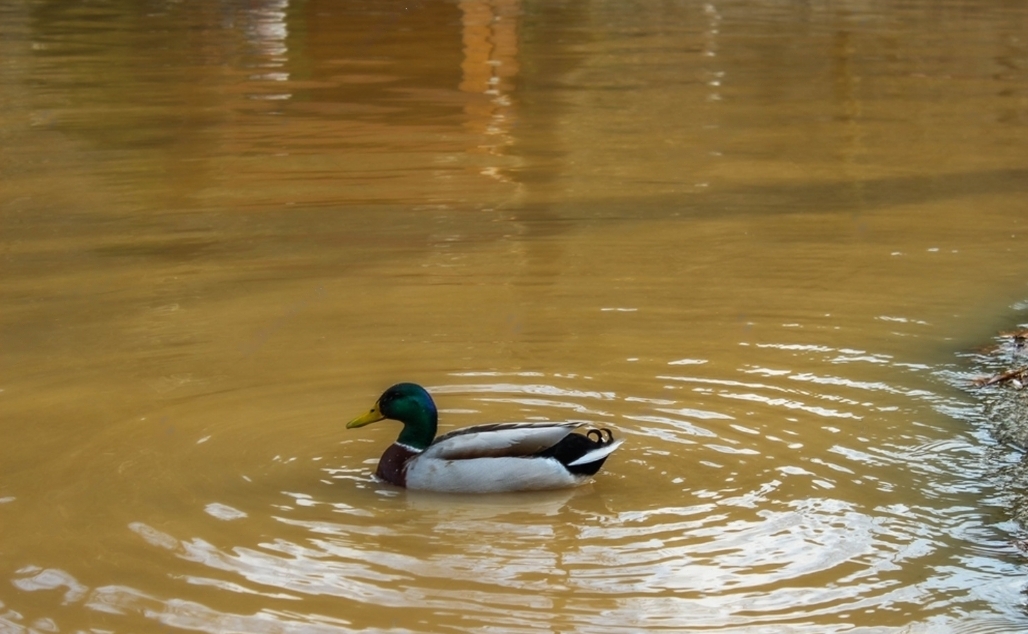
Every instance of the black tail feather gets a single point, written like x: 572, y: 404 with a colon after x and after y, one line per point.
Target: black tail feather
x: 574, y: 446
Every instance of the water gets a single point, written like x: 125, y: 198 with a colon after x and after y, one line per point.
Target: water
x: 750, y: 237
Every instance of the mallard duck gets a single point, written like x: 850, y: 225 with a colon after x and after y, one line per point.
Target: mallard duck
x: 483, y: 458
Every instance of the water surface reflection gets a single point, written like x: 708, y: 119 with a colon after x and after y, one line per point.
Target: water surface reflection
x: 749, y: 237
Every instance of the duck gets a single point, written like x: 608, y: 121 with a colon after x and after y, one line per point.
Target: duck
x: 490, y: 458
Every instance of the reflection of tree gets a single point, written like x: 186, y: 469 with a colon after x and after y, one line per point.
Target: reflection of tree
x: 489, y: 67
x: 271, y: 102
x: 266, y: 30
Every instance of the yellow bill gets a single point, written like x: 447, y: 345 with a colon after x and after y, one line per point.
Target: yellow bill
x: 373, y: 416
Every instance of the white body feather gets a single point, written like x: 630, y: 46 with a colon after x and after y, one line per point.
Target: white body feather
x: 498, y: 458
x: 488, y: 475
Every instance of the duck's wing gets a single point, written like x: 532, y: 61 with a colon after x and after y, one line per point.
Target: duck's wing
x: 496, y: 441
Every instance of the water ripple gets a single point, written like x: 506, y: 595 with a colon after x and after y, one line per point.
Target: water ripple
x: 721, y: 511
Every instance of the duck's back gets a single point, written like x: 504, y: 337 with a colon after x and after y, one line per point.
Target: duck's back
x: 498, y: 441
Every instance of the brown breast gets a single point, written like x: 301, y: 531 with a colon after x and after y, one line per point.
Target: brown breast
x: 393, y: 466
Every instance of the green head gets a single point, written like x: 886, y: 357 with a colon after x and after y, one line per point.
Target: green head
x: 410, y: 404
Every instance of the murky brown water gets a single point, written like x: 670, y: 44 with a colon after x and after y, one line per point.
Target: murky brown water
x: 751, y: 236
